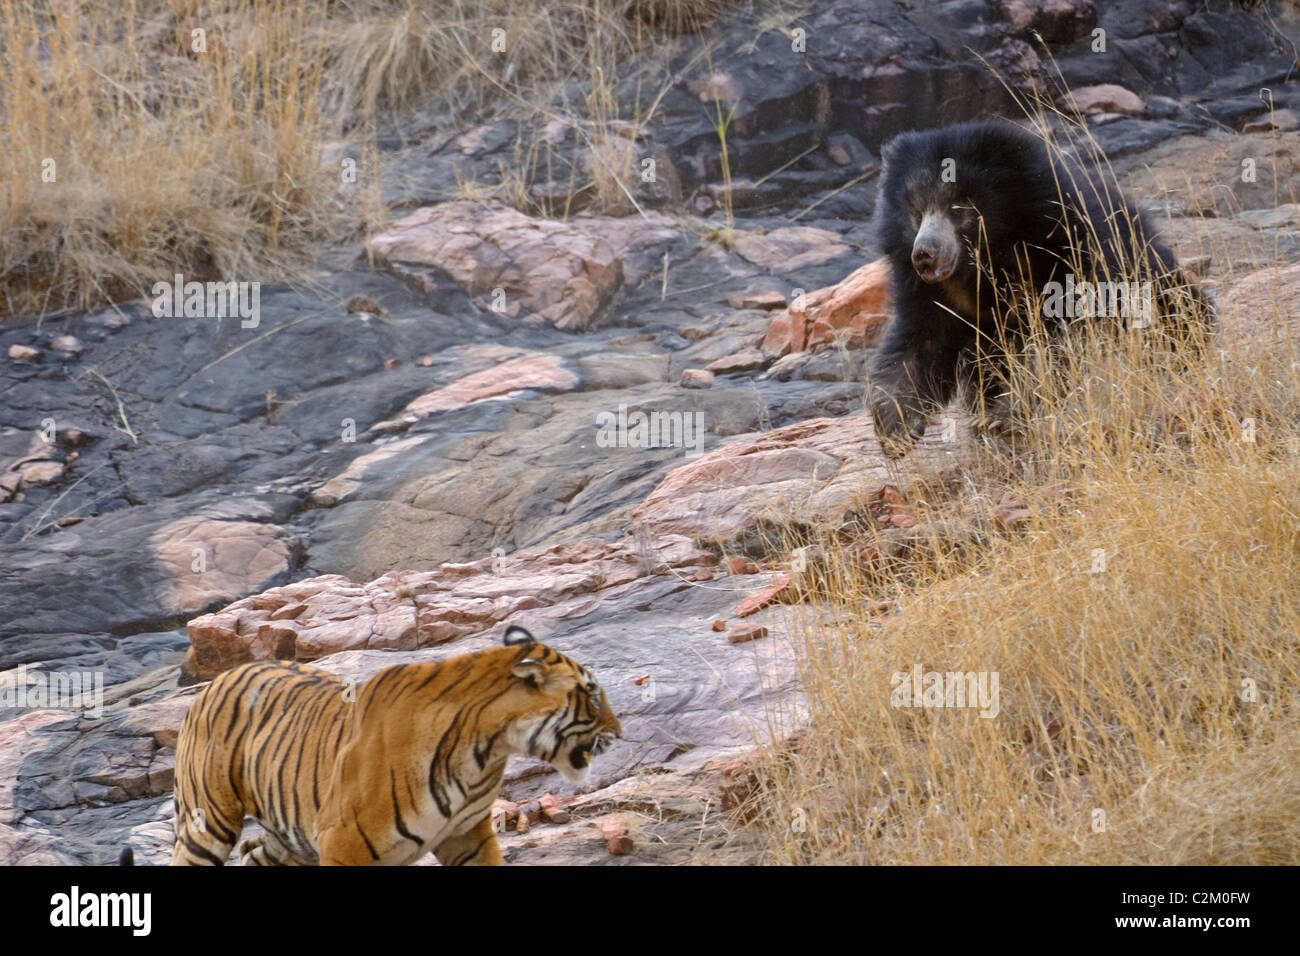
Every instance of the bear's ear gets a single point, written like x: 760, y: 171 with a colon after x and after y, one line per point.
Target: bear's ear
x: 518, y: 635
x: 889, y: 151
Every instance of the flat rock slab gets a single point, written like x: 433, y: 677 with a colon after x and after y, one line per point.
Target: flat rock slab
x: 810, y: 471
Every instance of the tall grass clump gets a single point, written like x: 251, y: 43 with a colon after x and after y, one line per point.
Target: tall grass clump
x: 136, y: 147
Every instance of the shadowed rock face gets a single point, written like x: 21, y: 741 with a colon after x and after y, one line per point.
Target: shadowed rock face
x: 362, y: 488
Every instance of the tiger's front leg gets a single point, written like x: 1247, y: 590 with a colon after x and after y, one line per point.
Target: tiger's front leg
x: 346, y: 844
x: 475, y: 847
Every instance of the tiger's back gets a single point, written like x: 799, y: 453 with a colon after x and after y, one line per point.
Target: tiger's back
x: 407, y: 763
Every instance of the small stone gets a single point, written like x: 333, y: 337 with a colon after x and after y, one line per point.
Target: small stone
x: 762, y: 597
x: 703, y: 574
x: 66, y: 343
x: 756, y: 300
x: 363, y: 304
x: 391, y: 363
x: 744, y: 633
x: 1273, y: 121
x: 24, y: 353
x: 719, y: 625
x: 426, y: 360
x: 839, y: 155
x: 552, y: 812
x: 739, y: 565
x: 67, y: 521
x: 697, y: 378
x: 617, y: 840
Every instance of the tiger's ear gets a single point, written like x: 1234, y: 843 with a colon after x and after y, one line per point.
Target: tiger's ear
x: 518, y: 635
x: 530, y: 670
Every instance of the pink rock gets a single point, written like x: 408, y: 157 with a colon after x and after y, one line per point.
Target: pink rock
x: 551, y: 810
x: 40, y: 473
x: 210, y: 560
x: 617, y: 839
x: 852, y: 312
x: 762, y: 597
x: 1261, y: 305
x: 814, y: 470
x: 746, y: 360
x: 697, y: 378
x: 24, y: 353
x: 789, y: 248
x: 744, y: 633
x: 545, y: 271
x: 786, y: 333
x: 741, y: 565
x: 1103, y: 98
x: 344, y: 484
x: 535, y: 370
x: 406, y: 610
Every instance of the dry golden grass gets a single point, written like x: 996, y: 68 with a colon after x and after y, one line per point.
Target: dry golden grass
x: 130, y: 156
x: 186, y: 135
x: 1144, y: 625
x: 1125, y: 680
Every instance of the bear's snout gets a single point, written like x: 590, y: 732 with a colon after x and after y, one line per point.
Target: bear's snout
x: 935, y: 248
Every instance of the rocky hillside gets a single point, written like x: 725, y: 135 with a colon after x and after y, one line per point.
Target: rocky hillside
x: 435, y: 433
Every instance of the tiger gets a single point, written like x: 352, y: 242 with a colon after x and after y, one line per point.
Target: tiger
x: 382, y: 773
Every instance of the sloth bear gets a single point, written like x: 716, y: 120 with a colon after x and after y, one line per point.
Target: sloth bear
x: 987, y: 232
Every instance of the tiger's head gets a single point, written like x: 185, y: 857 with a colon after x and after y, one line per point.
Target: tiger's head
x: 565, y: 716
